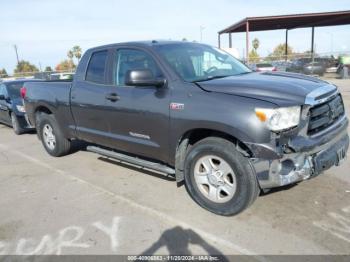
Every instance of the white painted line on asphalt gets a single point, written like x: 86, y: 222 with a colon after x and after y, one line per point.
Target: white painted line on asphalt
x: 130, y: 202
x: 339, y: 226
x: 68, y: 237
x: 346, y: 209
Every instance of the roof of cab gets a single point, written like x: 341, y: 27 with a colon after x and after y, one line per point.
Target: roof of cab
x: 148, y: 43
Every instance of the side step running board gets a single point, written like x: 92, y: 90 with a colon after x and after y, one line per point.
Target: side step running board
x: 132, y: 160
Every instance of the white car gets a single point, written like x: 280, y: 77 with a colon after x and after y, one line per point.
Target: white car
x: 263, y: 67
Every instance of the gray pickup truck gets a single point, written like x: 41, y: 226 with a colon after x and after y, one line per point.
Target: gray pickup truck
x: 193, y: 111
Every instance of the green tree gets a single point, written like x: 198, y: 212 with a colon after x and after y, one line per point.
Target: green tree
x: 279, y: 52
x: 253, y: 56
x: 256, y: 44
x: 48, y: 69
x: 76, y: 50
x: 3, y: 73
x: 70, y: 62
x: 24, y: 67
x: 70, y: 54
x: 307, y: 53
x: 65, y: 65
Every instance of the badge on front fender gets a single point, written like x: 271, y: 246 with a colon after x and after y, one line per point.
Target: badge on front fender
x: 177, y: 106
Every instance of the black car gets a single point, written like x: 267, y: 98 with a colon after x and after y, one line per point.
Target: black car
x: 315, y: 68
x: 11, y: 106
x: 307, y: 67
x: 297, y: 65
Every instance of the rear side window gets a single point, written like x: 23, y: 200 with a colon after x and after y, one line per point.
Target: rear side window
x: 97, y: 67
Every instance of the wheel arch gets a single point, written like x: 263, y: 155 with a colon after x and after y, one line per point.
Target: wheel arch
x: 62, y: 117
x: 43, y: 109
x: 192, y: 136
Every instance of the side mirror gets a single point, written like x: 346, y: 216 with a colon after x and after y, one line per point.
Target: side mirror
x: 2, y: 97
x: 143, y: 77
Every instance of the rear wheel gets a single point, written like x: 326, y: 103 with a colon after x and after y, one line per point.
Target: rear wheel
x: 219, y: 178
x: 51, y: 136
x: 16, y: 125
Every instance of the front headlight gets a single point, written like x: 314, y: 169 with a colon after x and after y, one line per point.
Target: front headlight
x: 20, y: 108
x: 279, y: 118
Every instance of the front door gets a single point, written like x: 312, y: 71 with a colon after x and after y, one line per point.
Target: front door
x: 139, y: 119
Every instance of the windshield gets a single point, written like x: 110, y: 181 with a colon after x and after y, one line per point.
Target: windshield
x: 14, y: 89
x: 196, y: 62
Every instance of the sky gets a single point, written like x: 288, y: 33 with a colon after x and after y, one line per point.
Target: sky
x: 44, y: 30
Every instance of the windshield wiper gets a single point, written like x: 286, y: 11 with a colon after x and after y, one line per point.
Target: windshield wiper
x: 244, y: 73
x: 210, y: 78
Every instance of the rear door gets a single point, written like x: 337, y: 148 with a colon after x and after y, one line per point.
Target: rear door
x: 88, y: 100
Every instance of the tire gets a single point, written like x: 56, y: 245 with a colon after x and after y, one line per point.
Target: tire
x: 240, y: 176
x: 51, y: 136
x: 16, y: 125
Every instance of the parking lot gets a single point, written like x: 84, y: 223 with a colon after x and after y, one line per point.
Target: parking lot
x: 87, y: 204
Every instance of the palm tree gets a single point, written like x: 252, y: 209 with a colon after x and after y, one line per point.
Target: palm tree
x: 77, y: 52
x: 70, y: 55
x: 256, y: 43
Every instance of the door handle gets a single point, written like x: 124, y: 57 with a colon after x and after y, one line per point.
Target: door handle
x: 112, y: 97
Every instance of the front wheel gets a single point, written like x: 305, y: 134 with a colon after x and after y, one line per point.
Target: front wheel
x: 219, y: 178
x: 51, y: 137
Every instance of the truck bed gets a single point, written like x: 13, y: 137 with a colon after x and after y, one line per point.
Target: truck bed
x: 54, y: 95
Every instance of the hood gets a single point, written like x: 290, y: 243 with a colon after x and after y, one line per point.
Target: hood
x: 280, y: 88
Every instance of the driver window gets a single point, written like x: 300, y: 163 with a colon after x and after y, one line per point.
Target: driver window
x: 132, y: 59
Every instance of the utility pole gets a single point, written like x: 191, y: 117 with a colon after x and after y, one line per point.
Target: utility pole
x: 312, y: 49
x: 15, y: 47
x: 201, y: 28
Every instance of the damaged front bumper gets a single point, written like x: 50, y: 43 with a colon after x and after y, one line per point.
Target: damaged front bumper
x: 308, y: 156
